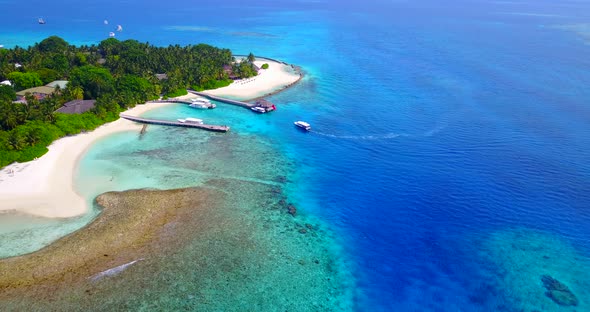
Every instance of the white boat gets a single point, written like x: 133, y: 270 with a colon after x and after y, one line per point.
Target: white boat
x: 194, y: 120
x: 106, y: 22
x: 199, y: 105
x: 119, y: 28
x: 303, y: 125
x: 259, y: 110
x: 41, y: 21
x: 111, y: 34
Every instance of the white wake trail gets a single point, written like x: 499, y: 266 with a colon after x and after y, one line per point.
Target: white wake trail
x: 113, y: 271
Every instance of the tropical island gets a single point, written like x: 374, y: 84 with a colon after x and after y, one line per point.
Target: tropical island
x: 116, y: 75
x: 53, y: 90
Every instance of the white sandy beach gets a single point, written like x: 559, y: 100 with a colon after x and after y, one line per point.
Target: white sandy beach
x: 276, y: 77
x: 44, y: 187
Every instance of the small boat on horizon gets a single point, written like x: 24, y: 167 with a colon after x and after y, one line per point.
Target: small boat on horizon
x: 111, y: 34
x: 303, y: 125
x: 41, y: 21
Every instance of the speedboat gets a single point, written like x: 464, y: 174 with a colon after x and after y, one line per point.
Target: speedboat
x: 201, y: 103
x: 303, y: 125
x: 119, y: 28
x: 41, y: 21
x: 111, y: 34
x: 258, y: 109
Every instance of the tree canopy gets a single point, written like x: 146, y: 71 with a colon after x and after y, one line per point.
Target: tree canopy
x: 53, y: 44
x: 93, y: 80
x: 7, y: 93
x: 23, y: 81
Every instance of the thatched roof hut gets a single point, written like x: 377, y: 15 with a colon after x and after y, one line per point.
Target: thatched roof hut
x: 76, y: 107
x: 265, y: 104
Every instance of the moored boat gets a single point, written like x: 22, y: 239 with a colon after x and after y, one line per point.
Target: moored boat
x: 41, y: 21
x: 303, y: 125
x: 201, y: 104
x: 259, y: 110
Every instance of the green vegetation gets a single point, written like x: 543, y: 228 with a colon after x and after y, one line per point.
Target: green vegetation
x: 93, y: 80
x: 244, y: 69
x: 23, y: 81
x: 264, y: 66
x: 7, y: 93
x: 117, y: 74
x: 213, y: 84
x: 179, y: 92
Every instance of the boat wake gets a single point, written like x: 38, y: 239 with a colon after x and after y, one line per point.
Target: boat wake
x: 388, y: 136
x: 441, y: 125
x: 113, y: 271
x: 362, y: 137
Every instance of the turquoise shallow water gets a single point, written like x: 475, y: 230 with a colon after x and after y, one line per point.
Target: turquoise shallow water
x: 441, y: 132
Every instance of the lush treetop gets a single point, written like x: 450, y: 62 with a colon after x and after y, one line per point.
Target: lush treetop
x: 53, y: 44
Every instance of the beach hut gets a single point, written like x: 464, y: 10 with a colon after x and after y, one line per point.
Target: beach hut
x: 77, y: 107
x: 268, y: 106
x: 228, y: 70
x: 162, y: 76
x: 38, y: 92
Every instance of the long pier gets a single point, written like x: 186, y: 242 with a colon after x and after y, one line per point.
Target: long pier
x: 213, y: 128
x: 224, y: 100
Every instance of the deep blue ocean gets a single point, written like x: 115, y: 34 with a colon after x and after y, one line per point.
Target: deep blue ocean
x: 450, y: 144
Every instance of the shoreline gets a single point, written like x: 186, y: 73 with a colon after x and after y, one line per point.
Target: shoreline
x: 43, y: 186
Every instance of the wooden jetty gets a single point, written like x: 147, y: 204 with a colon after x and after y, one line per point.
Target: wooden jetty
x: 224, y: 100
x: 213, y: 128
x: 209, y: 106
x: 262, y: 103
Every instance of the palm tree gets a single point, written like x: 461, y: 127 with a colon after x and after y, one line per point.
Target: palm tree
x: 15, y: 141
x: 251, y: 58
x: 33, y: 136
